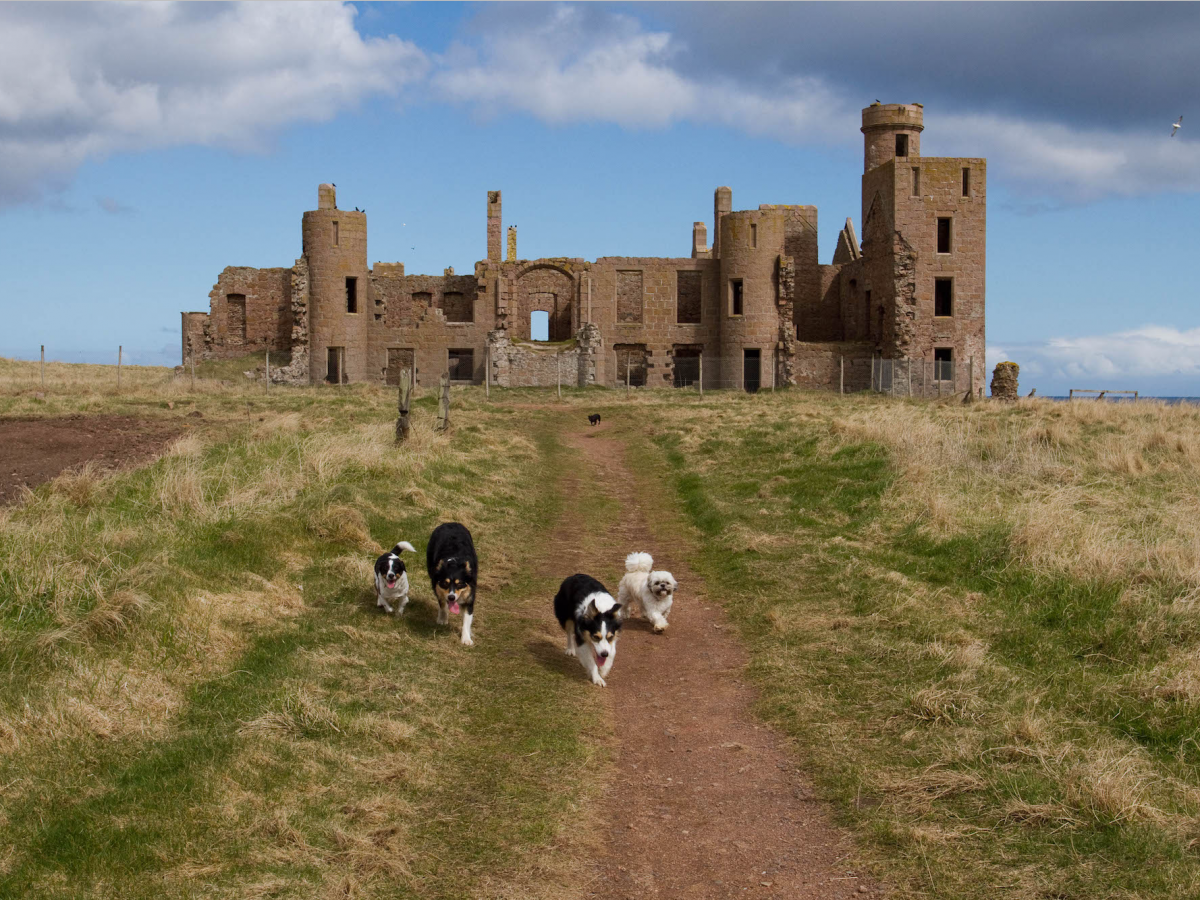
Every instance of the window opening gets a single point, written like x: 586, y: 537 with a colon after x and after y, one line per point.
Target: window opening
x: 335, y: 233
x: 456, y: 307
x: 235, y: 317
x: 629, y: 297
x: 736, y: 297
x: 867, y: 315
x: 902, y: 145
x: 631, y: 361
x: 687, y: 364
x: 943, y: 364
x: 943, y: 235
x: 539, y: 325
x: 916, y: 185
x: 461, y: 364
x: 351, y: 295
x: 753, y: 235
x: 966, y: 182
x: 687, y: 297
x: 943, y: 297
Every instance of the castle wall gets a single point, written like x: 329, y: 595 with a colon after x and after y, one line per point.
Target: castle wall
x: 822, y: 365
x: 250, y: 310
x: 194, y: 326
x: 335, y: 246
x: 617, y: 285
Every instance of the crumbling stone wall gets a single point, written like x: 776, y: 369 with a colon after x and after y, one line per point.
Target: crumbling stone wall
x: 297, y: 370
x: 529, y: 364
x: 259, y: 318
x: 1004, y: 381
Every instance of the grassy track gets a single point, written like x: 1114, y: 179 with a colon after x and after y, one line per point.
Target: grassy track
x: 979, y: 625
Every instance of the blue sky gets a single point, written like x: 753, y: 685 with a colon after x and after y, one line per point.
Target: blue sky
x: 144, y: 147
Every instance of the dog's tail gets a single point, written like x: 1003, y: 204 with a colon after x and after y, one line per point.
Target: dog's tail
x: 404, y: 545
x: 639, y: 562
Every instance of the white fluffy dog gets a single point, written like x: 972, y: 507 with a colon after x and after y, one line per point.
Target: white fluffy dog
x: 643, y: 588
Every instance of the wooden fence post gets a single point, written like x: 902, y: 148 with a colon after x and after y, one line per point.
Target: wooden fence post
x: 700, y: 381
x: 842, y: 374
x: 120, y: 350
x: 267, y: 386
x: 43, y: 365
x: 444, y: 402
x: 558, y: 372
x: 487, y: 373
x: 402, y: 425
x: 627, y: 384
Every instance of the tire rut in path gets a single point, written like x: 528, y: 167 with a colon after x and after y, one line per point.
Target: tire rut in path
x: 705, y: 803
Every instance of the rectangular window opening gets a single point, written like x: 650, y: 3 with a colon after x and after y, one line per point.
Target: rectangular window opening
x: 335, y: 233
x: 943, y: 297
x: 867, y: 315
x: 902, y: 145
x: 457, y: 307
x: 943, y: 235
x: 687, y: 297
x: 351, y: 295
x: 629, y: 297
x: 461, y: 364
x: 631, y: 364
x: 753, y: 236
x: 235, y: 317
x: 735, y: 290
x: 916, y: 184
x: 686, y: 358
x: 966, y: 183
x: 943, y: 364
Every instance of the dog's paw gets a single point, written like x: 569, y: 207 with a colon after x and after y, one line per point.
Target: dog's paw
x: 659, y: 628
x: 467, y: 642
x: 570, y: 651
x: 598, y: 681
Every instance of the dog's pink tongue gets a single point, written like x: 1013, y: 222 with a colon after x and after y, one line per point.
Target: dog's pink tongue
x: 454, y: 608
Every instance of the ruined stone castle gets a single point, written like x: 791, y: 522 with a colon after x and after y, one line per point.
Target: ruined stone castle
x: 754, y: 309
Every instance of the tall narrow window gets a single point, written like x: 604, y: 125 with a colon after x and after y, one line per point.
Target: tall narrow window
x: 966, y: 182
x: 235, y: 318
x: 916, y: 185
x: 943, y: 235
x: 335, y: 233
x: 351, y: 295
x: 943, y: 297
x: 902, y: 145
x: 867, y: 315
x: 735, y: 290
x: 753, y: 236
x: 687, y: 297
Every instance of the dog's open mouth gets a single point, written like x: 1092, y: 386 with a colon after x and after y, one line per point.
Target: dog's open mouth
x: 391, y: 582
x: 454, y: 608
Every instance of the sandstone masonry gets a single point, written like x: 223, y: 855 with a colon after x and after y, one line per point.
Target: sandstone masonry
x: 757, y: 305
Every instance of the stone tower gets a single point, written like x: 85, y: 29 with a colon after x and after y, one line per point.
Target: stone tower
x: 335, y: 246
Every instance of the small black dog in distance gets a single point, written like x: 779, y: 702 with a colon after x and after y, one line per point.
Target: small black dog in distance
x: 588, y: 614
x: 453, y: 571
x: 594, y: 419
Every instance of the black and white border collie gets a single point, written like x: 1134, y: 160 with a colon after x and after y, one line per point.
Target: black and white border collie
x: 594, y: 419
x: 652, y: 591
x: 391, y: 578
x: 453, y: 571
x: 588, y: 614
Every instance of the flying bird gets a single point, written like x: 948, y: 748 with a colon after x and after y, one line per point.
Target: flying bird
x: 1176, y: 126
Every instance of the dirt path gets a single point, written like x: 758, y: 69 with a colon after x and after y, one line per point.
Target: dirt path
x: 706, y: 803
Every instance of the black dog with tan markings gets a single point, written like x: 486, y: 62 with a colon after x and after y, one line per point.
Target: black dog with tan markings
x: 453, y: 571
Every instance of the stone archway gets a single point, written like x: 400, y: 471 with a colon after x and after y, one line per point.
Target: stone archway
x: 545, y: 289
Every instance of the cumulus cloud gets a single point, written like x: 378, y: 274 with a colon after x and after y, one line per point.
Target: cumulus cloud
x: 84, y: 81
x: 566, y: 64
x: 1151, y: 353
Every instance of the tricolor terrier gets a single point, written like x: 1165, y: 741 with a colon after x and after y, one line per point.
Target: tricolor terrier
x: 453, y: 571
x: 653, y: 591
x: 391, y: 579
x: 588, y: 614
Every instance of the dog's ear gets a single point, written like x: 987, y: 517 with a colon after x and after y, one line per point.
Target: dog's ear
x: 615, y: 607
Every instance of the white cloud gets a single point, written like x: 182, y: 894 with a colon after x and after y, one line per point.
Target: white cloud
x: 1116, y: 361
x: 84, y: 81
x: 576, y: 65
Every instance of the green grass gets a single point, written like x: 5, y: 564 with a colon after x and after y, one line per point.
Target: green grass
x: 253, y: 725
x: 987, y: 727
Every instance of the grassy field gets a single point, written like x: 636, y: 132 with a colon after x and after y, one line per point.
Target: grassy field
x: 978, y: 625
x: 198, y: 696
